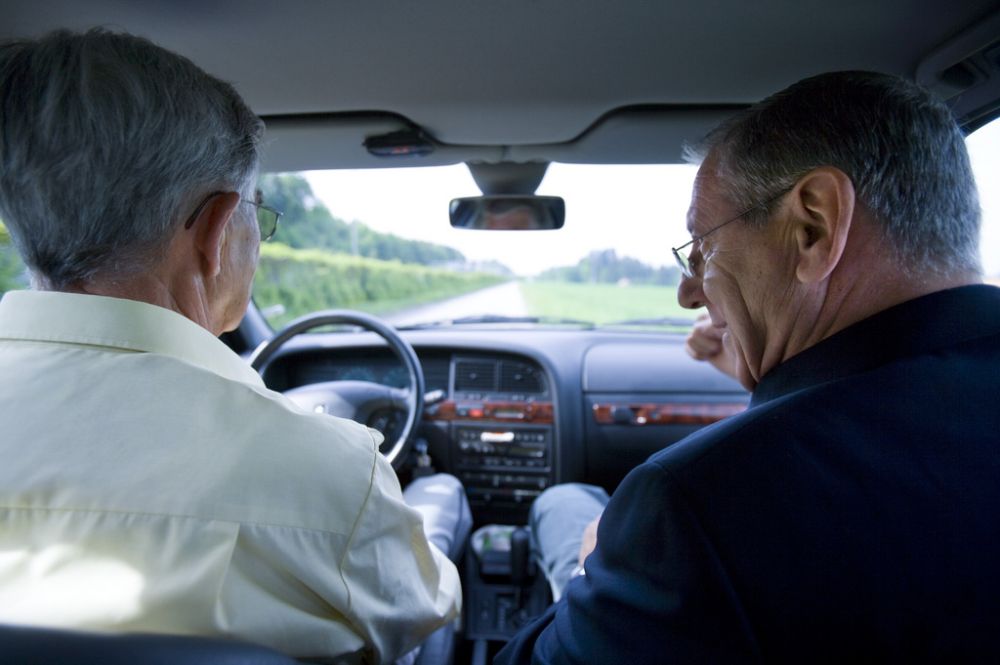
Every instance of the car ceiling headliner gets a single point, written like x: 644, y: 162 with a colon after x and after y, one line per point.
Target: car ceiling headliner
x: 492, y: 77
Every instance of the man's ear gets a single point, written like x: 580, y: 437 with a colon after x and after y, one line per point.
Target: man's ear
x: 824, y: 202
x: 210, y: 229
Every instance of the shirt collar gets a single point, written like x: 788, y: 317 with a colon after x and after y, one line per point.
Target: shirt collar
x: 127, y: 325
x: 921, y: 325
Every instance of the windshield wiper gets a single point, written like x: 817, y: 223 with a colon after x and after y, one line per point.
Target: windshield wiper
x: 496, y: 318
x: 665, y: 321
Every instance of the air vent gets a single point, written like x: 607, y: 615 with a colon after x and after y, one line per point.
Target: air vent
x: 518, y: 377
x: 473, y: 375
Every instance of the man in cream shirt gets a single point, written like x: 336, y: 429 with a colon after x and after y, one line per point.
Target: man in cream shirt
x: 150, y: 481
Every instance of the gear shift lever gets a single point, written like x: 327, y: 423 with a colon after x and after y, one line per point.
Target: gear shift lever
x: 520, y: 550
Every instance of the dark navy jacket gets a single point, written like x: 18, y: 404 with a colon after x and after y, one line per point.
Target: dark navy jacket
x: 851, y: 514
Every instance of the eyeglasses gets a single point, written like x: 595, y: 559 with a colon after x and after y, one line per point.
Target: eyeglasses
x: 682, y: 257
x: 267, y: 217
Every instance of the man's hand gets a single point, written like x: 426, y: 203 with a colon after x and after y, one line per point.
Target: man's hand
x: 704, y: 342
x: 589, y: 541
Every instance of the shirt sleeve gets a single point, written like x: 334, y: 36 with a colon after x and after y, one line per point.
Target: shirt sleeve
x: 401, y: 588
x: 654, y: 591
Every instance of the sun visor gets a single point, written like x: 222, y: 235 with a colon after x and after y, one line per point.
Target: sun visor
x: 358, y: 140
x: 303, y: 143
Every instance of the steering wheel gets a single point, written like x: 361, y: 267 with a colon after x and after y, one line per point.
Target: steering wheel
x: 362, y: 401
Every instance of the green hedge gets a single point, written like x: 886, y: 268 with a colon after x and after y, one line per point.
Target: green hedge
x: 307, y: 280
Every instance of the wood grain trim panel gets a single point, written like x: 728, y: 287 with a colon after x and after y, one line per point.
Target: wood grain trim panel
x: 683, y: 413
x: 535, y: 413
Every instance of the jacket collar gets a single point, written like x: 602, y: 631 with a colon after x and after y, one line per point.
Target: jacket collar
x: 915, y: 327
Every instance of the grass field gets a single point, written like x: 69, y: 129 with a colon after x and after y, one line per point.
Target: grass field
x: 602, y: 303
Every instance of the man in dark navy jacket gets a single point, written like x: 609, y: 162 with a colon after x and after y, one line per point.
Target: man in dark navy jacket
x: 852, y: 513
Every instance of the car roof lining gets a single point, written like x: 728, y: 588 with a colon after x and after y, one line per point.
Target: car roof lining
x: 522, y: 81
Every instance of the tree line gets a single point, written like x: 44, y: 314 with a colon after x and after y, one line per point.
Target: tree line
x: 606, y: 267
x: 308, y: 224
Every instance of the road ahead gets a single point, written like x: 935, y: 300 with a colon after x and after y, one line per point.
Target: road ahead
x: 503, y: 300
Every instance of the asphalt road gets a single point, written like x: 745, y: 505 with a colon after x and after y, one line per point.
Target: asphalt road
x: 503, y: 300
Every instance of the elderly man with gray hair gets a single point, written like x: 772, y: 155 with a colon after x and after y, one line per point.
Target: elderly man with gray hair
x: 150, y: 482
x: 850, y: 514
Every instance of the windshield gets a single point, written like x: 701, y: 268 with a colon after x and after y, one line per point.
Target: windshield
x: 379, y: 240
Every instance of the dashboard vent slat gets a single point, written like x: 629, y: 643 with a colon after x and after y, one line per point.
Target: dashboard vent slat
x: 475, y: 375
x: 518, y: 377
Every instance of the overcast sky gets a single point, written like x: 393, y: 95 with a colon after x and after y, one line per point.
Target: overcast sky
x: 606, y: 207
x: 637, y: 210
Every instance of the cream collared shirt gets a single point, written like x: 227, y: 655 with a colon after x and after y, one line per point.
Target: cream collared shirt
x: 150, y: 482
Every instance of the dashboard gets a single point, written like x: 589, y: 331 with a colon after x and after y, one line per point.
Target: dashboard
x: 513, y: 411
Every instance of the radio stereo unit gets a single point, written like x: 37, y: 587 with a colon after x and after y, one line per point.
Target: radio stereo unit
x: 503, y: 464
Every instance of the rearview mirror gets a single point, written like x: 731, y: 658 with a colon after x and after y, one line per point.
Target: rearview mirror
x: 504, y: 212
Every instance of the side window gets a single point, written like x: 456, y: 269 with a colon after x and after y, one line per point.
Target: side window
x: 984, y: 151
x: 12, y: 273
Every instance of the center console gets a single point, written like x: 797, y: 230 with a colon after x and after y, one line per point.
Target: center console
x: 501, y: 434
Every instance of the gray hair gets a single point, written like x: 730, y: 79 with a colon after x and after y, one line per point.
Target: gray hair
x: 899, y: 145
x: 106, y: 143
